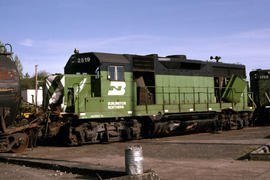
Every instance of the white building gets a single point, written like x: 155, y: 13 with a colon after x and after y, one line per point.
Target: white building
x: 29, y: 96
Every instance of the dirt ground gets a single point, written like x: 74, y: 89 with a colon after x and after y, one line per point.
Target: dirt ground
x: 194, y: 156
x: 11, y: 171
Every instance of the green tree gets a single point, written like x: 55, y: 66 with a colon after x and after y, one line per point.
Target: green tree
x: 18, y: 65
x: 26, y: 75
x: 42, y: 75
x: 1, y: 49
x: 28, y: 82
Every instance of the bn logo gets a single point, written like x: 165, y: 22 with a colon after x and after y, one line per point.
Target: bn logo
x: 118, y: 88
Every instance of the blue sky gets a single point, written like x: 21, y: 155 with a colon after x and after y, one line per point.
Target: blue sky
x: 46, y: 32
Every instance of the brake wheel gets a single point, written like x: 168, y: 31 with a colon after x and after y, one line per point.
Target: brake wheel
x: 22, y: 143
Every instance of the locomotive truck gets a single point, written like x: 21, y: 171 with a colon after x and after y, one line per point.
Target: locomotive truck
x: 103, y: 97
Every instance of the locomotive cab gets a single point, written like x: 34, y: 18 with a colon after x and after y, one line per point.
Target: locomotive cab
x: 92, y: 82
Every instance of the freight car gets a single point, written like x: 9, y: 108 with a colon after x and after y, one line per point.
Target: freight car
x: 14, y: 136
x: 106, y: 97
x: 260, y: 86
x: 10, y: 87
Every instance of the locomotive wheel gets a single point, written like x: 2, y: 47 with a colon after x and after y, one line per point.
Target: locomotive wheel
x: 21, y: 145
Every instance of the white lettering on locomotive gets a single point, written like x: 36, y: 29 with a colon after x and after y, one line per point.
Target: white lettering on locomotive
x: 116, y: 105
x: 118, y: 88
x: 81, y: 60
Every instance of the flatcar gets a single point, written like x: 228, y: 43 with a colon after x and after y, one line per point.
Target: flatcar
x: 105, y: 97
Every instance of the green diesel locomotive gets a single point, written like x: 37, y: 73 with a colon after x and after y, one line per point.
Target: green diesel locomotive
x: 106, y: 97
x: 260, y: 86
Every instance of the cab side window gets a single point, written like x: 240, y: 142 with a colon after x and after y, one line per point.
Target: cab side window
x: 116, y: 73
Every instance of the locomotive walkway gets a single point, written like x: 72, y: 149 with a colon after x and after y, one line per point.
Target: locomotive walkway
x: 194, y: 156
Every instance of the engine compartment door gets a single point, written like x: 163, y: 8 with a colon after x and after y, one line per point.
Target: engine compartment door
x: 234, y: 90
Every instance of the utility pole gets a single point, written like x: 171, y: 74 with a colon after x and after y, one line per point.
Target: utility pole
x: 36, y: 86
